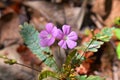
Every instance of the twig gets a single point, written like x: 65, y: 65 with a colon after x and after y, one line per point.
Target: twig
x: 100, y: 19
x: 115, y: 74
x: 81, y: 15
x: 114, y: 67
x: 41, y: 11
x: 64, y: 14
x: 98, y: 24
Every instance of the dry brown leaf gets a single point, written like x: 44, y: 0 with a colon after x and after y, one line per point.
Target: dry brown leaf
x: 9, y: 29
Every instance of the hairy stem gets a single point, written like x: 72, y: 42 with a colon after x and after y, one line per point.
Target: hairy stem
x: 9, y: 62
x: 28, y: 67
x: 86, y: 49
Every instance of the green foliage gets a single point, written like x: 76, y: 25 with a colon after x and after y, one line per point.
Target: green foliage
x: 118, y: 51
x: 105, y: 35
x: 89, y: 78
x: 92, y: 47
x: 67, y: 66
x: 87, y: 31
x: 30, y: 36
x: 7, y: 60
x: 98, y: 39
x: 117, y: 21
x: 70, y: 57
x: 117, y: 32
x: 47, y: 73
x: 81, y: 77
x: 94, y: 78
x: 10, y: 61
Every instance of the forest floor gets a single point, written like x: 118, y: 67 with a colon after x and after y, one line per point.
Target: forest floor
x: 79, y: 14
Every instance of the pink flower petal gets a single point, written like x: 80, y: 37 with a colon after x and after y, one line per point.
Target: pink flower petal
x: 49, y: 27
x: 43, y: 42
x: 71, y: 44
x: 43, y: 34
x: 66, y: 29
x: 59, y: 34
x: 62, y: 43
x: 51, y: 41
x: 55, y: 32
x: 73, y: 36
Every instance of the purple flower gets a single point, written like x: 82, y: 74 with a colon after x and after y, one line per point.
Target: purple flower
x: 67, y: 37
x: 47, y: 37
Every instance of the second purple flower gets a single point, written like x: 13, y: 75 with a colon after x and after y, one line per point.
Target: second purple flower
x: 67, y: 37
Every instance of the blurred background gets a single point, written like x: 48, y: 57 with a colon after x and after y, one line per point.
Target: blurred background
x: 79, y: 14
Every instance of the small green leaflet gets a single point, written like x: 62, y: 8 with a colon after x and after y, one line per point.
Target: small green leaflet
x: 48, y: 73
x: 117, y: 21
x: 92, y: 47
x: 105, y: 35
x: 68, y: 62
x: 94, y: 78
x: 30, y: 37
x: 70, y: 57
x: 118, y: 51
x: 117, y: 32
x: 81, y: 77
x: 91, y: 77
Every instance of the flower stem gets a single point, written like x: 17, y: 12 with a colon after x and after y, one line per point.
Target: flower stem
x: 86, y: 48
x: 28, y: 67
x: 12, y: 61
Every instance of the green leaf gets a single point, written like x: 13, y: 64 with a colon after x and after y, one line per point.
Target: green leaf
x: 94, y: 78
x: 91, y: 77
x: 117, y: 32
x: 67, y: 65
x: 47, y: 73
x: 30, y: 37
x: 105, y: 35
x: 93, y: 47
x: 118, y: 51
x: 117, y: 21
x: 70, y: 57
x: 81, y: 77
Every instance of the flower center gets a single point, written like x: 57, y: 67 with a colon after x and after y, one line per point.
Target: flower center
x: 65, y: 37
x: 49, y: 36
